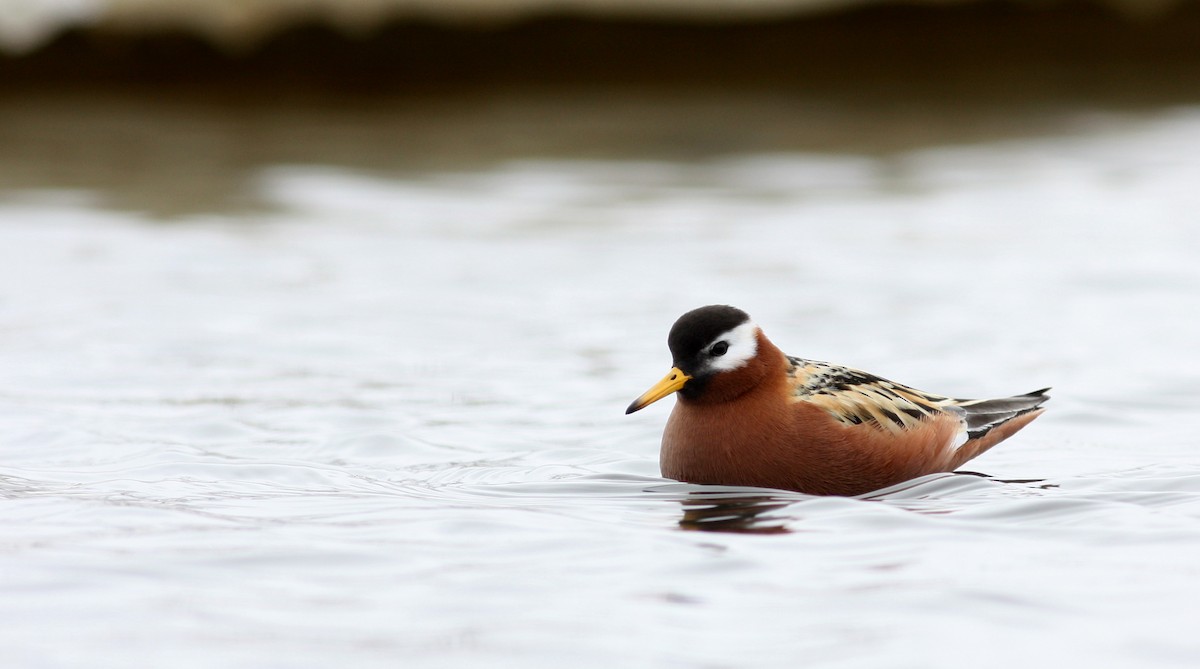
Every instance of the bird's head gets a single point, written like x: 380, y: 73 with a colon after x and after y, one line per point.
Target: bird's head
x: 705, y: 343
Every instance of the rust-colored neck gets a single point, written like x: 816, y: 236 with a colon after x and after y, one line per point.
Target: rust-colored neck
x: 768, y: 362
x: 722, y: 435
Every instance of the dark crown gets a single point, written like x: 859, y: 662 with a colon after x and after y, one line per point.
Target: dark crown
x: 698, y: 327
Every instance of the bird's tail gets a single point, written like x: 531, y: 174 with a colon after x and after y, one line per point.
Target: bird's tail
x: 990, y: 422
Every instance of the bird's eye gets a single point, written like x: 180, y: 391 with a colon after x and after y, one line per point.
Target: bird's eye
x: 718, y: 349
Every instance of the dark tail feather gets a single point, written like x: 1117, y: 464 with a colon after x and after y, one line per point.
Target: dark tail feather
x: 984, y: 415
x: 990, y: 422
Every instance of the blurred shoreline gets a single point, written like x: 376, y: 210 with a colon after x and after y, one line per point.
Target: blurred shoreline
x: 190, y: 124
x: 26, y: 26
x: 1079, y: 49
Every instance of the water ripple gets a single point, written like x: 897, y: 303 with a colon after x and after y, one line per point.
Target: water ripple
x: 383, y: 422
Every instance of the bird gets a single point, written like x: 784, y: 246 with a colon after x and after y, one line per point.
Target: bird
x: 748, y: 415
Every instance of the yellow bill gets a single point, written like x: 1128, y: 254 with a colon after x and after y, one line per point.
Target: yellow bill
x: 673, y: 381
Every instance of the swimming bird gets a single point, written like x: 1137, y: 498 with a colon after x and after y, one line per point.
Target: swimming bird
x: 749, y: 415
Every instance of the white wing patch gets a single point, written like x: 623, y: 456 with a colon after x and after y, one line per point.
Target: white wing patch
x: 962, y: 436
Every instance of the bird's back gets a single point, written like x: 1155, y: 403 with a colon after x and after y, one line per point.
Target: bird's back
x: 869, y: 402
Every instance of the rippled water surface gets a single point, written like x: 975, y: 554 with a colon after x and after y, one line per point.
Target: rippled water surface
x: 378, y: 421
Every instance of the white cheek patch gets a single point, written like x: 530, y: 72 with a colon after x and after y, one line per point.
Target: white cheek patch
x: 743, y: 345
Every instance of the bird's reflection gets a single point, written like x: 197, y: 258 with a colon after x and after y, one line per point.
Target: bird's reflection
x: 757, y: 510
x: 750, y: 514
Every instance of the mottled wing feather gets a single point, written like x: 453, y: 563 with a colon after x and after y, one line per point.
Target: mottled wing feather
x: 858, y: 398
x: 855, y: 397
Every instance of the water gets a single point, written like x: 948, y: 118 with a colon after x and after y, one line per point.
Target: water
x: 376, y: 419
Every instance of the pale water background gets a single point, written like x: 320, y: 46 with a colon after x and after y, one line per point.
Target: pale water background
x: 372, y: 416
